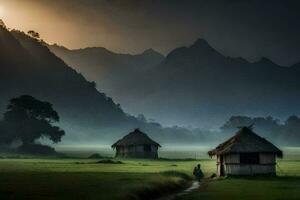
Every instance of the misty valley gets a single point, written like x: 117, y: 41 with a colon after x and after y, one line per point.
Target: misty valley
x: 84, y: 115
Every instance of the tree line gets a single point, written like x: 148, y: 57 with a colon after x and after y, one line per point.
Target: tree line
x: 285, y: 132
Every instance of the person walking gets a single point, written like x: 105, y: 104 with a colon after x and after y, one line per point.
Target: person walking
x: 198, y: 173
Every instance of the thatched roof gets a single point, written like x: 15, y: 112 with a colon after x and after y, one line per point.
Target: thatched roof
x: 135, y: 138
x: 246, y: 141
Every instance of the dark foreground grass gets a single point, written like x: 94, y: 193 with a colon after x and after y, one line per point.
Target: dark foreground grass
x: 276, y: 188
x: 59, y: 185
x: 160, y: 189
x: 286, y: 186
x: 52, y: 178
x: 90, y: 179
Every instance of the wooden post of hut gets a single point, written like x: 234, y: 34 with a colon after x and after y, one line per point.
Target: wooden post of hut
x: 246, y: 153
x: 136, y: 145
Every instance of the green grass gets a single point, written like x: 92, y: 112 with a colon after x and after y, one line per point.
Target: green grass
x: 285, y: 186
x: 277, y: 188
x: 86, y: 179
x: 77, y: 185
x: 79, y: 178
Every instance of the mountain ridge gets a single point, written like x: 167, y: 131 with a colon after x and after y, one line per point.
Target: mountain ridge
x: 196, y: 84
x: 86, y: 114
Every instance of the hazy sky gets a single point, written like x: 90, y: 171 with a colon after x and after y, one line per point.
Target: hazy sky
x: 250, y: 29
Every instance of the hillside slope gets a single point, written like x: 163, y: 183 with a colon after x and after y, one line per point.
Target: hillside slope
x: 111, y: 71
x: 199, y: 86
x: 30, y: 68
x: 87, y: 115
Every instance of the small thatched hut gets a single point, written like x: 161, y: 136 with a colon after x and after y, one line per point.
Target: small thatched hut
x: 246, y: 153
x: 136, y: 145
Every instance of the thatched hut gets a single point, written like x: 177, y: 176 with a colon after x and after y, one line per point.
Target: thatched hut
x: 136, y: 145
x: 246, y: 153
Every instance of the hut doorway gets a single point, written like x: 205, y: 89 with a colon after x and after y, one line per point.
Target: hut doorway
x: 222, y: 170
x: 249, y: 158
x: 147, y: 148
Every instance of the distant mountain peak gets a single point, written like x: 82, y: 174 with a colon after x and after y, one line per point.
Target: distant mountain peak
x: 201, y: 44
x: 296, y: 65
x: 55, y: 45
x: 151, y: 52
x: 200, y: 49
x: 101, y: 49
x: 265, y: 60
x: 242, y: 60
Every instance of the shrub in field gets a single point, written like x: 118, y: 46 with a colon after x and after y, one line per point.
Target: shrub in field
x: 110, y: 162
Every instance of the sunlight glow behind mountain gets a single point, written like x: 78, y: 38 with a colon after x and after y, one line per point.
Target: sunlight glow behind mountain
x: 247, y: 30
x: 2, y: 11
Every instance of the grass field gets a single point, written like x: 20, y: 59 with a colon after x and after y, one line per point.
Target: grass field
x: 52, y: 178
x: 85, y: 179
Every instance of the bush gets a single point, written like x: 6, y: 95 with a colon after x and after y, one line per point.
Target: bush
x: 213, y: 175
x: 109, y: 162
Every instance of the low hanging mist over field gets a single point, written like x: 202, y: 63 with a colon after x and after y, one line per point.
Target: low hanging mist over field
x: 149, y: 100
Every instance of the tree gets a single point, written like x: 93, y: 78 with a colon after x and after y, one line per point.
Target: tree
x: 142, y: 118
x: 93, y: 84
x: 7, y: 133
x: 286, y: 133
x: 236, y: 121
x: 34, y: 34
x: 2, y: 24
x: 28, y: 119
x: 291, y: 129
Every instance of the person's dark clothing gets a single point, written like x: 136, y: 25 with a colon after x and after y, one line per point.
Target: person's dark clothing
x: 198, y: 173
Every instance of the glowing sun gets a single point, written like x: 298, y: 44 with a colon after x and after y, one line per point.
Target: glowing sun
x: 2, y: 11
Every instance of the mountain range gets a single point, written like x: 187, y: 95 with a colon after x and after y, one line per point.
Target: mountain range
x: 111, y: 71
x: 192, y: 86
x: 87, y: 115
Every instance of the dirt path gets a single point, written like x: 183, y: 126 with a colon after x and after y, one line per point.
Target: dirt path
x: 195, y: 185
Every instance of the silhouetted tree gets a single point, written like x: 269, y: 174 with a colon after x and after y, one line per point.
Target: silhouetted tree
x: 286, y: 133
x: 291, y: 128
x: 234, y: 122
x: 7, y: 133
x: 142, y: 118
x: 34, y: 34
x: 93, y: 84
x: 28, y: 119
x: 262, y: 123
x: 2, y: 24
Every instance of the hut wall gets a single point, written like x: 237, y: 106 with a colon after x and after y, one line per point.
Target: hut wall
x: 244, y: 169
x: 219, y: 166
x: 137, y: 151
x: 154, y: 148
x: 267, y: 158
x: 232, y: 158
x: 233, y: 166
x: 120, y: 151
x: 227, y: 159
